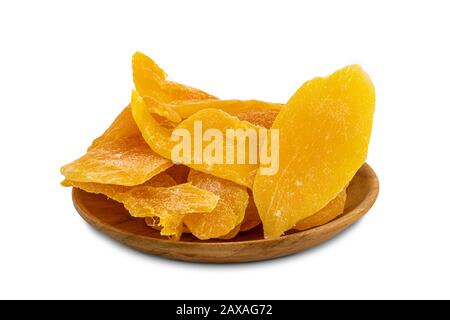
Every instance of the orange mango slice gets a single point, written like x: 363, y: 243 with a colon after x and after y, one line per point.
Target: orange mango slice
x: 332, y: 210
x: 169, y: 204
x: 226, y: 216
x: 150, y: 81
x: 113, y: 191
x: 160, y: 140
x: 324, y: 135
x: 120, y: 156
x: 259, y: 117
x: 187, y: 108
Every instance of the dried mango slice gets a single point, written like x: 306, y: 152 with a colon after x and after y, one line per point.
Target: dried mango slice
x: 324, y: 135
x: 228, y: 213
x: 160, y: 140
x: 147, y: 201
x: 110, y: 190
x: 168, y: 204
x: 240, y: 173
x: 187, y: 108
x: 150, y: 81
x: 333, y: 209
x: 260, y: 117
x: 163, y: 111
x: 113, y: 191
x: 251, y: 218
x: 122, y: 127
x: 120, y: 156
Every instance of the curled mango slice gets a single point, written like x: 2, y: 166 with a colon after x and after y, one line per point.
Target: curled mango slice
x: 161, y: 140
x: 324, y: 135
x: 169, y: 204
x: 226, y: 217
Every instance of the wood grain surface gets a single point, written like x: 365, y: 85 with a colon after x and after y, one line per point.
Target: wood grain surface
x: 111, y: 218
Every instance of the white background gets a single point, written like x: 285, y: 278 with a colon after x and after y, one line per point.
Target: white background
x: 65, y: 73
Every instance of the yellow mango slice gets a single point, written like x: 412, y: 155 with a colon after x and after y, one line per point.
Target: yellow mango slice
x: 150, y: 81
x: 324, y: 136
x: 168, y: 203
x: 332, y: 210
x: 120, y: 156
x: 226, y: 216
x: 187, y: 108
x: 159, y: 139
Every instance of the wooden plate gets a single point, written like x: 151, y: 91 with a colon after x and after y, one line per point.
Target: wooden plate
x: 112, y: 219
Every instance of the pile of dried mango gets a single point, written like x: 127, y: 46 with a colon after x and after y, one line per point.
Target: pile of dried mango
x: 324, y: 131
